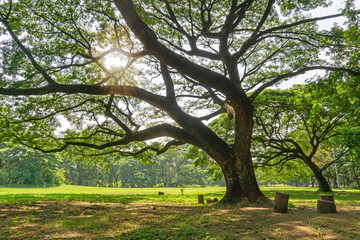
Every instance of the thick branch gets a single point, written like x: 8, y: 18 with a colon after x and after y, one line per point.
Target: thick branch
x: 164, y: 130
x: 128, y: 153
x: 168, y: 57
x: 155, y: 100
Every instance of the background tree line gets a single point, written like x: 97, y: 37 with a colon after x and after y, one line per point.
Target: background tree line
x: 19, y: 165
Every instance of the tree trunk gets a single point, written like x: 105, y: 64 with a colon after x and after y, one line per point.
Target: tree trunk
x: 323, y: 183
x: 239, y: 172
x: 240, y: 183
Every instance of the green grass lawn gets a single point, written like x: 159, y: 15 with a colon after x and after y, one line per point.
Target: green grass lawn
x: 77, y: 212
x: 17, y: 195
x: 100, y: 194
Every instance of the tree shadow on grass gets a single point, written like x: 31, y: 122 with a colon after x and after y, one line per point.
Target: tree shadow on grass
x: 302, y: 196
x: 102, y: 198
x: 247, y: 223
x: 165, y: 220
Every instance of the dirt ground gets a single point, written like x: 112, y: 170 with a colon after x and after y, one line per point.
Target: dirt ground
x: 83, y: 220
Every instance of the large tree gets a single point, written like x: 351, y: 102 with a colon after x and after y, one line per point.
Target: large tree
x: 179, y: 63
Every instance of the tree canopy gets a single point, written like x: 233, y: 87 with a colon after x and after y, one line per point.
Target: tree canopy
x: 176, y: 65
x: 296, y: 124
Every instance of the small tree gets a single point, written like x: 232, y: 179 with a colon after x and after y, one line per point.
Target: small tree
x: 292, y: 124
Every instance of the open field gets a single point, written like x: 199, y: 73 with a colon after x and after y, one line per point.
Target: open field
x: 74, y: 212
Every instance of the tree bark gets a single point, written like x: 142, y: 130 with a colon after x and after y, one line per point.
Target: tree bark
x: 239, y: 172
x: 240, y: 183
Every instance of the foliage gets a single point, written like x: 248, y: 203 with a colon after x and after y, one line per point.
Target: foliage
x: 291, y: 173
x: 177, y: 66
x: 295, y: 124
x: 168, y: 170
x: 23, y: 166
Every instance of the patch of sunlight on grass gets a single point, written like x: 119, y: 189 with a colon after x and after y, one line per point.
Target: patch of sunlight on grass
x: 128, y: 195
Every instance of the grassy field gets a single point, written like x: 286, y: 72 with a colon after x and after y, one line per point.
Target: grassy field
x: 76, y: 212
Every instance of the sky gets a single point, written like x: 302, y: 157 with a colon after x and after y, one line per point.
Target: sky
x: 323, y: 25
